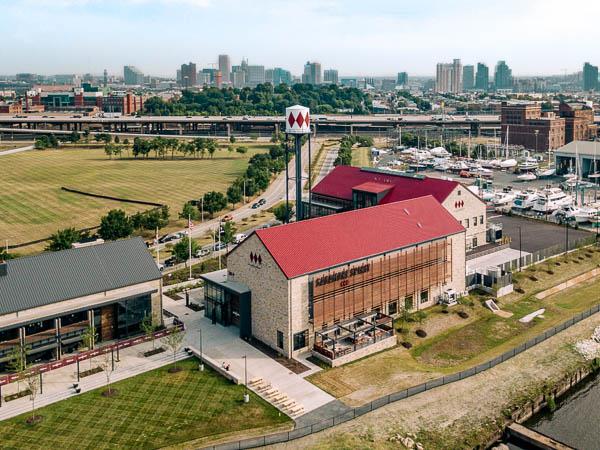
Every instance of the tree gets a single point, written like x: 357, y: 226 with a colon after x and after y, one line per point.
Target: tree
x: 109, y: 149
x: 32, y: 382
x: 149, y: 328
x: 174, y: 340
x: 229, y: 231
x: 280, y: 212
x: 74, y: 137
x: 230, y: 149
x: 17, y: 363
x: 63, y: 239
x: 117, y: 140
x: 232, y: 139
x: 88, y: 340
x: 181, y: 249
x: 189, y: 211
x: 234, y: 194
x: 213, y: 202
x: 108, y: 365
x: 211, y: 147
x: 242, y: 150
x: 115, y: 225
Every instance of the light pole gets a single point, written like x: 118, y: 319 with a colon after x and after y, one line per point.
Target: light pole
x: 520, y: 249
x: 201, y: 366
x: 536, y: 139
x: 246, y: 395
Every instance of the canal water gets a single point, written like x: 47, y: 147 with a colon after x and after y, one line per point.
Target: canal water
x: 576, y: 421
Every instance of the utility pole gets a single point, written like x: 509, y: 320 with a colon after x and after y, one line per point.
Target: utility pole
x: 246, y: 395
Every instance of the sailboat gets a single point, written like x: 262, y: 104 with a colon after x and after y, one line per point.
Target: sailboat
x: 508, y: 163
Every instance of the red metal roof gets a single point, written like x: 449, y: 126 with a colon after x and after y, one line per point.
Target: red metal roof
x: 316, y: 244
x: 375, y: 188
x: 342, y: 179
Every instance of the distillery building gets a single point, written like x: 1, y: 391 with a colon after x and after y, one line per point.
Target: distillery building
x: 332, y: 285
x: 48, y: 301
x: 346, y: 188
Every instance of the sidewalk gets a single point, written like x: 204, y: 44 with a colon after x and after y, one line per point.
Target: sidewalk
x: 16, y: 150
x: 58, y: 384
x: 223, y: 345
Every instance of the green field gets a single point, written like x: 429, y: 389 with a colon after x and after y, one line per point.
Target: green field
x: 361, y: 157
x: 32, y: 205
x: 152, y: 410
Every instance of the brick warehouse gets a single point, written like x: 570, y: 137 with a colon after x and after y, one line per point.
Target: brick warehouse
x: 332, y: 285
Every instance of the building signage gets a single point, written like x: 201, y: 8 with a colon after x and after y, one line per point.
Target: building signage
x: 342, y: 275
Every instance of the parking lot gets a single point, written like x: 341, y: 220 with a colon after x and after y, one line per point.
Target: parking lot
x: 536, y: 235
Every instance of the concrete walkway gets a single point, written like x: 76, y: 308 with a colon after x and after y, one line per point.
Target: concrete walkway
x: 58, y: 384
x: 327, y: 166
x: 223, y: 345
x: 16, y: 150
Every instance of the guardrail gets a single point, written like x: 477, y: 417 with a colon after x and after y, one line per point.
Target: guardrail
x: 321, y: 425
x: 42, y: 368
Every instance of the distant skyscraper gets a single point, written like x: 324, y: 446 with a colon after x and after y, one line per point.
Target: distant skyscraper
x: 132, y: 75
x: 281, y: 76
x: 105, y: 78
x: 225, y: 68
x: 330, y: 76
x: 255, y: 75
x: 312, y: 73
x: 503, y: 76
x: 468, y: 78
x: 482, y: 80
x: 457, y: 76
x: 188, y: 75
x: 590, y: 77
x: 443, y: 77
x: 238, y: 77
x: 402, y: 79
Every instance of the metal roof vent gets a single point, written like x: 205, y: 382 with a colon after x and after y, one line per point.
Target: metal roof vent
x: 3, y: 268
x: 419, y: 225
x: 406, y: 211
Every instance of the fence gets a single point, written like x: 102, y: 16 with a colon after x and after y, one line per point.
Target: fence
x: 297, y: 433
x: 42, y: 368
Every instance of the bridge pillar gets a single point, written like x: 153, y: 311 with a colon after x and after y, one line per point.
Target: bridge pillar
x: 475, y: 129
x: 351, y: 130
x: 277, y: 129
x: 228, y: 129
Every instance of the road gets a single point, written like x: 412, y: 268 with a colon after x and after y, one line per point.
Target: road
x: 327, y: 166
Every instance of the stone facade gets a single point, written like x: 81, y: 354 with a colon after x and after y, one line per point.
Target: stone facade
x: 470, y: 211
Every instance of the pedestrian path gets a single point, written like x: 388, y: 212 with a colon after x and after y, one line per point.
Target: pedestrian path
x: 16, y: 150
x: 245, y: 362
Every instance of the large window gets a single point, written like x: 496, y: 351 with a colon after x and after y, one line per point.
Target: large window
x: 131, y: 313
x: 425, y: 296
x: 300, y: 340
x: 408, y: 302
x: 392, y: 308
x: 279, y: 339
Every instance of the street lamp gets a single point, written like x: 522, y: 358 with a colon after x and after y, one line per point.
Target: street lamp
x: 536, y: 139
x: 201, y: 366
x: 520, y: 256
x: 246, y: 395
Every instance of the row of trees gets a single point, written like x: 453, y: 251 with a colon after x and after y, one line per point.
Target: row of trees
x: 264, y: 99
x: 344, y: 157
x: 114, y: 225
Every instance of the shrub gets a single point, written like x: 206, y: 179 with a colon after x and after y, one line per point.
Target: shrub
x: 533, y: 278
x: 421, y: 333
x: 407, y: 345
x: 463, y: 314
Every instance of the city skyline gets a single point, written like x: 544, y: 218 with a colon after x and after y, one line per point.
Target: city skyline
x: 436, y: 32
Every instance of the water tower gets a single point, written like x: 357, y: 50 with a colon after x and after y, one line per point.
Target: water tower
x: 297, y: 124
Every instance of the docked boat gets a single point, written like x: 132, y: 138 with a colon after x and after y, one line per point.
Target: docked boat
x: 575, y: 213
x: 550, y: 200
x: 458, y: 166
x: 528, y: 164
x: 529, y: 176
x: 547, y: 173
x: 525, y: 200
x: 508, y: 163
x: 504, y: 198
x: 439, y: 152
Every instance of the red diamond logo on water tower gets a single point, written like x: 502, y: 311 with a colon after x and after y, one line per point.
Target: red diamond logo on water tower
x: 291, y: 119
x: 307, y: 119
x: 300, y: 120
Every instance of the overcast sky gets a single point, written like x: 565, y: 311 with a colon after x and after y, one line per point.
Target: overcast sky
x: 357, y: 37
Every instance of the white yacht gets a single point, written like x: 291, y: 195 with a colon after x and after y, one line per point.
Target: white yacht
x: 528, y: 164
x: 527, y: 176
x: 504, y: 198
x: 508, y: 163
x: 547, y: 173
x: 525, y: 200
x: 439, y: 152
x: 550, y: 200
x: 572, y: 212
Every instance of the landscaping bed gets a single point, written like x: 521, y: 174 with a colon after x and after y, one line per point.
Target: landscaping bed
x: 20, y: 394
x: 87, y: 373
x: 155, y: 351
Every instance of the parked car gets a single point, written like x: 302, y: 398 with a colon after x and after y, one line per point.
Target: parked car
x: 160, y: 266
x: 219, y: 246
x: 170, y: 262
x: 240, y: 237
x: 262, y: 201
x: 202, y: 252
x: 227, y: 218
x: 255, y: 205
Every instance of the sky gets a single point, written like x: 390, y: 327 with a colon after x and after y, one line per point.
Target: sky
x: 357, y: 37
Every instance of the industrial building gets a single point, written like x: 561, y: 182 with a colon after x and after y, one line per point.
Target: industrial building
x: 346, y: 188
x: 332, y: 285
x: 48, y: 301
x: 582, y: 157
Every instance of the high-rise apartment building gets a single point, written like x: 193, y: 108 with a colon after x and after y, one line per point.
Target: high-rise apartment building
x: 238, y: 77
x: 402, y: 79
x: 225, y: 68
x: 449, y: 77
x: 468, y: 78
x: 188, y: 75
x: 281, y: 76
x: 312, y: 73
x: 132, y: 75
x: 255, y: 75
x: 590, y: 77
x: 482, y: 78
x: 330, y: 76
x: 503, y: 76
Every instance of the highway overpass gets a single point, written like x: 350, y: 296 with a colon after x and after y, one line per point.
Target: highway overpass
x: 225, y: 126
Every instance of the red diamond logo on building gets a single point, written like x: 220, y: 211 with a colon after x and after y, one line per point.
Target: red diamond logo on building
x: 300, y: 120
x: 291, y: 120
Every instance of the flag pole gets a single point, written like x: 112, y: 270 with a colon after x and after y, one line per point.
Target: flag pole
x: 157, y: 248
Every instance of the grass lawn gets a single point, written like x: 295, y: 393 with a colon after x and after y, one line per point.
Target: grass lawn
x: 9, y: 145
x: 151, y: 410
x: 32, y: 205
x: 361, y: 157
x: 453, y: 344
